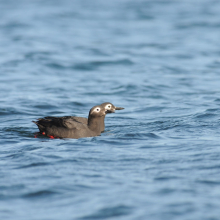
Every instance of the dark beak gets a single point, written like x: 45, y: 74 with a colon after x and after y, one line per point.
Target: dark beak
x: 118, y: 108
x: 113, y: 110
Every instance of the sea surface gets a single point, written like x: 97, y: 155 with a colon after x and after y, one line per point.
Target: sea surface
x: 159, y: 158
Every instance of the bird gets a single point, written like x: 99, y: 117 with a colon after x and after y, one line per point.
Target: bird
x: 108, y: 106
x: 76, y: 127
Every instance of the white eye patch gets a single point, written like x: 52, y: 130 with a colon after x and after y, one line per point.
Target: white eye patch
x: 108, y: 106
x: 97, y: 109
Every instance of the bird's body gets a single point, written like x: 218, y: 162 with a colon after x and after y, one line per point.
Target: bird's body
x: 66, y: 127
x: 76, y: 127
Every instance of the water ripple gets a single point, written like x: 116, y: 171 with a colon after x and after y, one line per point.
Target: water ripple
x: 39, y: 194
x: 109, y: 212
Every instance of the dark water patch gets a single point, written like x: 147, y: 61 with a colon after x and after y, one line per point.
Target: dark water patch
x: 144, y: 16
x: 209, y: 182
x: 109, y: 212
x: 152, y: 145
x: 113, y: 142
x: 10, y: 111
x: 202, y: 24
x: 213, y: 110
x: 19, y: 131
x: 38, y: 55
x: 70, y: 161
x: 98, y: 52
x: 140, y: 136
x: 33, y: 148
x: 45, y: 106
x: 96, y: 176
x: 39, y: 164
x: 54, y: 90
x: 40, y: 194
x: 94, y: 158
x: 90, y: 66
x: 157, y: 45
x: 127, y: 161
x: 167, y: 161
x: 166, y: 178
x: 208, y: 167
x: 217, y: 100
x: 16, y: 155
x: 184, y: 56
x: 78, y: 104
x: 114, y: 62
x: 214, y: 65
x: 55, y: 157
x: 206, y: 116
x: 15, y: 26
x: 57, y: 66
x: 166, y: 191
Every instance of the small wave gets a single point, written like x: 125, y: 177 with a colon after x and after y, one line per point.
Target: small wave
x: 90, y: 66
x: 166, y: 191
x: 202, y: 24
x: 45, y: 106
x: 165, y: 178
x: 105, y: 213
x: 33, y: 165
x: 213, y: 110
x: 205, y: 116
x: 9, y: 111
x: 39, y: 194
x: 96, y: 64
x: 141, y: 136
x: 19, y: 131
x: 209, y: 182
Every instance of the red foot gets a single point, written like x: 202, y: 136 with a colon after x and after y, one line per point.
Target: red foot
x: 38, y: 133
x: 43, y: 133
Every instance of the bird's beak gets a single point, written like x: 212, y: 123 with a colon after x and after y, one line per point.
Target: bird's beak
x: 118, y: 108
x: 113, y: 110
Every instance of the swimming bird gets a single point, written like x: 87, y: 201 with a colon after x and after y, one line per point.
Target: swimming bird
x: 70, y: 127
x: 110, y: 109
x: 76, y: 127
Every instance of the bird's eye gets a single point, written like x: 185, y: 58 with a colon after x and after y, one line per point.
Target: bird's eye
x: 98, y: 109
x: 109, y: 106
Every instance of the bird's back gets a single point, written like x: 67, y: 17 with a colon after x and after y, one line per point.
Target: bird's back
x: 64, y: 127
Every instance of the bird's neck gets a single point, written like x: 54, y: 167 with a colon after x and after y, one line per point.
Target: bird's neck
x: 102, y: 123
x: 94, y: 124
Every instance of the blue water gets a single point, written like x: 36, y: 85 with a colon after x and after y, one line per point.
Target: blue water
x: 159, y: 158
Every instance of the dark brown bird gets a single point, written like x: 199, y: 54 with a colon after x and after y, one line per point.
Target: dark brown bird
x: 70, y: 127
x: 77, y: 127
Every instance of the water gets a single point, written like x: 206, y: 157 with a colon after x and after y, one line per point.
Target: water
x: 159, y: 158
